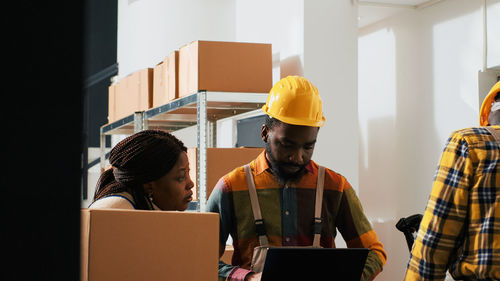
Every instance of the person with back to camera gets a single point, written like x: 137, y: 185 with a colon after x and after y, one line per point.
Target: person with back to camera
x: 149, y: 171
x: 460, y: 229
x: 272, y: 200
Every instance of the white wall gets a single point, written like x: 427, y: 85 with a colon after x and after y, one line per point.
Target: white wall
x: 330, y: 63
x: 148, y: 30
x: 278, y: 22
x: 306, y: 37
x: 417, y: 83
x: 493, y: 33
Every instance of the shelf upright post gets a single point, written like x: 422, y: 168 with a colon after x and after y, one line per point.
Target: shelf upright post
x: 140, y: 121
x: 103, y: 151
x: 202, y: 140
x: 212, y: 133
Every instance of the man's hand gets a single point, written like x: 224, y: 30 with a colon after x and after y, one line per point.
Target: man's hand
x: 253, y: 276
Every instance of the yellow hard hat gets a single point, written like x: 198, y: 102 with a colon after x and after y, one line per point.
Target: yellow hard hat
x: 486, y: 106
x: 294, y: 100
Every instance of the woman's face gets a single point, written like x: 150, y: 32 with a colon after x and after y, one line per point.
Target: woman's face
x: 172, y: 192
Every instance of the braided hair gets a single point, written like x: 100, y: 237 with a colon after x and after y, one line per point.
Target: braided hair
x: 140, y: 158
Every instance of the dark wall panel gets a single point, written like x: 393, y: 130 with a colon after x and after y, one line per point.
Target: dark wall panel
x: 100, y: 47
x: 42, y: 100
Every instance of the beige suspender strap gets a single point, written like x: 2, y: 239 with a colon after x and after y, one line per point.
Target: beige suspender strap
x: 494, y: 133
x: 259, y: 222
x: 317, y: 209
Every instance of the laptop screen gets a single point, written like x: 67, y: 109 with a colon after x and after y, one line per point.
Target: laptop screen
x: 292, y: 263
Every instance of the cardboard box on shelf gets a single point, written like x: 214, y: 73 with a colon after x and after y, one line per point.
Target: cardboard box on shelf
x: 173, y: 75
x: 132, y: 93
x: 135, y: 245
x: 220, y: 161
x: 160, y: 84
x: 225, y: 67
x: 165, y: 80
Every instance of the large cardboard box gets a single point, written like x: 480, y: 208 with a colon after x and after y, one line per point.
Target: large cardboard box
x: 220, y: 161
x: 166, y: 80
x: 131, y: 245
x: 225, y: 67
x: 132, y: 93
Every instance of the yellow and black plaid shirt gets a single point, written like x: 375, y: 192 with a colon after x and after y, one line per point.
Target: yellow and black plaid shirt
x: 460, y: 230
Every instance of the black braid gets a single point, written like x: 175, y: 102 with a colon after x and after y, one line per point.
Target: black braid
x: 138, y: 159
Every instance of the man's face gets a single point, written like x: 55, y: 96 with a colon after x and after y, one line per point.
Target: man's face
x: 289, y: 149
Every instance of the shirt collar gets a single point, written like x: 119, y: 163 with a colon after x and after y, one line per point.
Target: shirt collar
x: 261, y: 164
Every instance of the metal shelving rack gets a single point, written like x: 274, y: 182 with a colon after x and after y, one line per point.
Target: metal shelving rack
x: 202, y: 109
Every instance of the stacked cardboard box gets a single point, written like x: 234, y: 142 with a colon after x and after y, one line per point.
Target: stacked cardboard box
x: 199, y: 65
x: 131, y: 245
x: 166, y: 80
x: 220, y: 161
x: 225, y: 67
x: 132, y: 93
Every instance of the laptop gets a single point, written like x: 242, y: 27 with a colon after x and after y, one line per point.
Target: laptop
x: 298, y: 263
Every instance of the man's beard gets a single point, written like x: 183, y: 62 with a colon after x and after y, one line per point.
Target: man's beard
x: 283, y: 176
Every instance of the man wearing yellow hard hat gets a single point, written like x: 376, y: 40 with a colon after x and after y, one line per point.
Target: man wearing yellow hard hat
x: 283, y: 198
x: 460, y: 229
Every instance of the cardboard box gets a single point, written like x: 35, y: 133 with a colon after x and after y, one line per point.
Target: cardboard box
x: 225, y: 67
x: 160, y: 84
x: 166, y: 80
x: 132, y: 93
x: 131, y: 245
x: 173, y: 75
x: 220, y: 161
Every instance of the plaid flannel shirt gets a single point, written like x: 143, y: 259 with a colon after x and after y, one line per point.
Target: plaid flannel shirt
x: 460, y: 229
x: 288, y: 214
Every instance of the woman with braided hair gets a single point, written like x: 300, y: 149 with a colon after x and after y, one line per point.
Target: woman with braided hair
x: 149, y: 171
